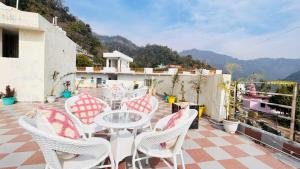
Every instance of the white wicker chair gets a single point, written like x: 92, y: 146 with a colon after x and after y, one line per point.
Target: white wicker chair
x: 91, y: 152
x: 149, y: 142
x: 136, y: 93
x: 112, y: 98
x: 154, y: 105
x: 89, y: 129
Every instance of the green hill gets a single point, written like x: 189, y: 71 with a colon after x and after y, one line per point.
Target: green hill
x: 294, y: 77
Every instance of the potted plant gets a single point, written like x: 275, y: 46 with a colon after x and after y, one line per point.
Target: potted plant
x: 197, y: 87
x: 55, y: 81
x: 175, y: 80
x: 166, y: 97
x: 67, y: 93
x: 8, y: 98
x: 77, y: 84
x: 153, y: 86
x: 182, y: 91
x: 230, y: 123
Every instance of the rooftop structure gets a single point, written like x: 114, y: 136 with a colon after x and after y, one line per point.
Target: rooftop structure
x: 31, y: 49
x: 117, y: 62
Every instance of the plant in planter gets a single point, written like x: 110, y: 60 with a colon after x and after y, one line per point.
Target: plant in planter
x: 175, y: 80
x: 230, y: 123
x: 197, y: 87
x: 55, y: 81
x: 182, y: 91
x: 77, y: 84
x: 8, y: 98
x: 153, y: 86
x: 166, y: 96
x: 67, y: 93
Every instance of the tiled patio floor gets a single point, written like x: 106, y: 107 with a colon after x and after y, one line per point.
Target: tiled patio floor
x: 206, y: 148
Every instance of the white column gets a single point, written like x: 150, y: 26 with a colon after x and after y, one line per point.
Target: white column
x: 107, y: 62
x: 118, y: 68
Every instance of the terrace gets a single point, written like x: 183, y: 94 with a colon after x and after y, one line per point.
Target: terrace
x: 205, y: 147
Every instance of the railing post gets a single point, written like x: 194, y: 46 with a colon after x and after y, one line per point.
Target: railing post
x: 293, y: 113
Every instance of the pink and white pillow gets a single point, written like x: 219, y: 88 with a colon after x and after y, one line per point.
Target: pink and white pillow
x: 177, y: 118
x: 56, y: 122
x: 87, y: 107
x: 142, y: 104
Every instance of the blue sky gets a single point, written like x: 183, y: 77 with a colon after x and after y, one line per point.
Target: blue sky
x: 241, y: 28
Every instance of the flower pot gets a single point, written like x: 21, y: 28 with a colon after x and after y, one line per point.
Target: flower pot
x: 230, y: 126
x: 201, y: 111
x: 67, y: 94
x: 166, y: 98
x: 51, y: 99
x: 171, y: 99
x: 8, y: 100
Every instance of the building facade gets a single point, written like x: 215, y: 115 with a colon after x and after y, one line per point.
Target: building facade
x: 31, y: 49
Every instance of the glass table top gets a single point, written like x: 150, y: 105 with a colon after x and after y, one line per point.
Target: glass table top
x: 122, y: 117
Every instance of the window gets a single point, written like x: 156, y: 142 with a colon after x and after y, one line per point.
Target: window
x: 10, y: 44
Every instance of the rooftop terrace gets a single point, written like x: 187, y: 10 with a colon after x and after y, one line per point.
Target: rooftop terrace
x: 206, y: 147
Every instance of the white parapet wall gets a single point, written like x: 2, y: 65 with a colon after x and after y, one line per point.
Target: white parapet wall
x: 212, y: 96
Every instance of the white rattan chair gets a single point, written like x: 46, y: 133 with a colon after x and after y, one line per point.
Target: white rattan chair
x: 154, y: 105
x: 112, y: 98
x: 90, y: 152
x: 149, y: 143
x: 136, y: 93
x: 88, y: 129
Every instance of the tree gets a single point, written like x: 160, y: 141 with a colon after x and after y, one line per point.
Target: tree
x: 83, y: 61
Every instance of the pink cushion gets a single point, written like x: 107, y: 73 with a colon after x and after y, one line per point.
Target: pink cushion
x: 141, y: 105
x: 87, y: 107
x: 60, y: 122
x: 173, y: 121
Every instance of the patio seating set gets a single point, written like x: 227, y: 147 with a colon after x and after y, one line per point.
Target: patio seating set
x: 68, y: 139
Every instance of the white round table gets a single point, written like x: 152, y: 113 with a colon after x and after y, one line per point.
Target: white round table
x: 120, y: 120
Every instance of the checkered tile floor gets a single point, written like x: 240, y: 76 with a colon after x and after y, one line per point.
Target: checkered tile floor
x: 206, y: 147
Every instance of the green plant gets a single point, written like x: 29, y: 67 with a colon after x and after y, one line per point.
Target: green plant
x: 8, y: 92
x: 56, y: 79
x: 154, y: 84
x: 182, y: 91
x: 77, y: 84
x: 175, y: 80
x: 197, y: 85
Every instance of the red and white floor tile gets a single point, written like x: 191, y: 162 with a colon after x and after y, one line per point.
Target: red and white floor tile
x: 206, y: 147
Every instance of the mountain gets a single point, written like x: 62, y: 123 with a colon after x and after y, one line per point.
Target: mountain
x: 149, y: 55
x: 118, y: 43
x: 271, y: 68
x: 294, y: 77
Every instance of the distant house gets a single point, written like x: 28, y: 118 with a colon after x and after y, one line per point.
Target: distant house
x: 117, y: 62
x: 31, y: 49
x: 253, y: 101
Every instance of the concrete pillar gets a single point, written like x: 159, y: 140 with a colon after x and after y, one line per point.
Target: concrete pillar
x: 119, y: 66
x: 107, y: 62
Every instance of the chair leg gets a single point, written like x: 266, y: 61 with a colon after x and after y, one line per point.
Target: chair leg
x: 112, y: 162
x: 139, y: 161
x: 174, y: 162
x: 133, y: 160
x: 182, y: 160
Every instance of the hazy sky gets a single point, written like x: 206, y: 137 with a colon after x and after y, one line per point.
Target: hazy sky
x: 241, y: 28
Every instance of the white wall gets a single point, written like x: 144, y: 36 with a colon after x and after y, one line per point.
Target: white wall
x: 25, y: 73
x: 60, y: 55
x: 212, y: 96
